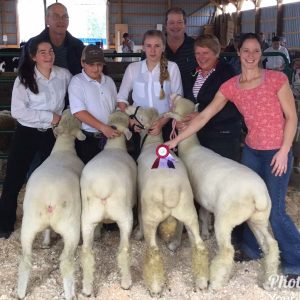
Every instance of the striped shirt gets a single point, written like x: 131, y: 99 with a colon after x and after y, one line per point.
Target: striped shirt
x: 200, y: 81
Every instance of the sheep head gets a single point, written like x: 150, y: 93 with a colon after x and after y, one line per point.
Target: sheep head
x: 120, y: 121
x: 70, y: 125
x: 146, y: 116
x: 181, y: 107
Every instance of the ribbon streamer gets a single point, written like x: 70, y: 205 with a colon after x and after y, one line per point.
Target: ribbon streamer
x: 164, y: 158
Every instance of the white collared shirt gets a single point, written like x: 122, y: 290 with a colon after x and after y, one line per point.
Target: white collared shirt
x: 36, y: 110
x: 277, y: 62
x: 145, y: 85
x: 98, y: 98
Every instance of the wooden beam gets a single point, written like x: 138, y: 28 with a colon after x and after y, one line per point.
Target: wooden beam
x: 257, y: 16
x: 279, y: 25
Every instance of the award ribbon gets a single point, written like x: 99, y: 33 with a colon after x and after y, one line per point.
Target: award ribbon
x: 164, y: 158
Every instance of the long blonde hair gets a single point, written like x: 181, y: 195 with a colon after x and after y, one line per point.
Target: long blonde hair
x: 164, y: 73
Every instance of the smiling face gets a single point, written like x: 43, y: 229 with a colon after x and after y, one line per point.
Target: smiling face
x: 206, y: 58
x: 57, y: 19
x: 250, y: 53
x: 44, y: 57
x: 153, y: 47
x: 175, y: 26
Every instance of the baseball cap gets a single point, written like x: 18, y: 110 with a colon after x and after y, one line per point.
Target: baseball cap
x: 92, y: 54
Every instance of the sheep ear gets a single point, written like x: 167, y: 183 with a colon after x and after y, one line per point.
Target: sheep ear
x: 129, y: 110
x: 80, y: 135
x: 128, y: 134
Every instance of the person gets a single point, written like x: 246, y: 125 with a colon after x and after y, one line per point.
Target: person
x: 276, y: 62
x: 180, y: 46
x: 151, y: 81
x: 127, y: 46
x: 66, y: 47
x: 38, y: 99
x: 222, y: 133
x: 263, y: 41
x: 234, y: 60
x: 93, y: 98
x: 266, y: 101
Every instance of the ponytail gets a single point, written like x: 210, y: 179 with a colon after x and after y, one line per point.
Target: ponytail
x: 164, y: 74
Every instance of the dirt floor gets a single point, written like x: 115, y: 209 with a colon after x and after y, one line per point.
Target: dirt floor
x: 45, y: 281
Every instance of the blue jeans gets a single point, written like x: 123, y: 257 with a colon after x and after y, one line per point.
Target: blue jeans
x: 284, y: 230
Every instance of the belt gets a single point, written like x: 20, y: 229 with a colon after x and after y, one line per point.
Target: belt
x: 96, y: 135
x: 42, y: 129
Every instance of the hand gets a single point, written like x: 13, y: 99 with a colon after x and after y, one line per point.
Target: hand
x: 110, y: 132
x: 279, y: 163
x: 171, y: 144
x: 55, y: 119
x: 156, y: 127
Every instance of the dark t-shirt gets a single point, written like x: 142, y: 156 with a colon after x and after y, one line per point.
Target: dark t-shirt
x: 185, y: 59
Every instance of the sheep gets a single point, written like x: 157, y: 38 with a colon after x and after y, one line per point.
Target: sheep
x: 234, y: 194
x: 165, y: 192
x: 108, y: 187
x: 52, y: 199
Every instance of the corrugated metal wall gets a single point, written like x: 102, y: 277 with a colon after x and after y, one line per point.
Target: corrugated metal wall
x: 248, y: 21
x: 291, y: 24
x: 143, y: 15
x: 8, y: 21
x: 268, y: 21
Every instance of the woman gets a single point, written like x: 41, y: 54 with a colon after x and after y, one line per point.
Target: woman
x: 266, y: 102
x: 222, y: 133
x: 151, y: 81
x: 38, y: 99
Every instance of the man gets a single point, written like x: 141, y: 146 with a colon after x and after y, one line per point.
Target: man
x: 276, y: 62
x: 67, y: 48
x: 127, y: 46
x: 180, y: 47
x: 264, y: 43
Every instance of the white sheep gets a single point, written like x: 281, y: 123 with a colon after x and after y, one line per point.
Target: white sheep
x: 52, y: 199
x: 108, y: 187
x: 165, y: 192
x: 234, y: 194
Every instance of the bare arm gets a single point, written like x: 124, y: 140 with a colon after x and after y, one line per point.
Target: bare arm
x: 86, y: 117
x: 286, y: 98
x: 201, y: 119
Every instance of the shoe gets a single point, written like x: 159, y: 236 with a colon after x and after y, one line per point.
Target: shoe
x: 5, y: 234
x: 240, y: 256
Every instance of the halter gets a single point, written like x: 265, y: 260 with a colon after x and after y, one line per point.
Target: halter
x: 133, y: 116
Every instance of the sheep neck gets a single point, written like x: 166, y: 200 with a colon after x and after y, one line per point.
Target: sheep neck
x: 64, y: 143
x: 187, y: 143
x: 116, y: 142
x: 151, y: 139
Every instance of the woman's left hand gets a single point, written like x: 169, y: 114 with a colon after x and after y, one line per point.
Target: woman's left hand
x: 279, y: 163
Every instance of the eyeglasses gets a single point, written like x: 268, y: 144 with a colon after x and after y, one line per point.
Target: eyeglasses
x: 57, y: 17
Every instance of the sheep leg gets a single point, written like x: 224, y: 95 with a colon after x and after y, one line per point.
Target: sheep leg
x: 67, y: 266
x: 199, y: 251
x: 222, y: 263
x: 154, y: 274
x: 138, y: 231
x: 205, y: 221
x: 47, y: 239
x: 270, y: 250
x: 27, y: 236
x: 87, y: 257
x: 124, y: 251
x: 176, y: 239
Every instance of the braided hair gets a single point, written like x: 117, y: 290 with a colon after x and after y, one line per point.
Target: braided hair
x: 164, y: 73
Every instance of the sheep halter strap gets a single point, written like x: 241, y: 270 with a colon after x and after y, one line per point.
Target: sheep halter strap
x: 164, y: 158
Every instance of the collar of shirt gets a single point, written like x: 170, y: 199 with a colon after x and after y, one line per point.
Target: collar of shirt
x: 88, y: 78
x: 144, y: 68
x: 39, y: 75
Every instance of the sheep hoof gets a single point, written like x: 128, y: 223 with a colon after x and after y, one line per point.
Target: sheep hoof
x: 45, y: 246
x: 205, y: 236
x: 155, y: 294
x: 126, y: 284
x: 215, y: 286
x: 173, y: 246
x: 87, y: 293
x: 138, y: 234
x: 201, y: 283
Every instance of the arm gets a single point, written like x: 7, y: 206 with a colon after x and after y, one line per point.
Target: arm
x: 125, y: 88
x: 280, y: 159
x: 85, y: 117
x: 201, y: 119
